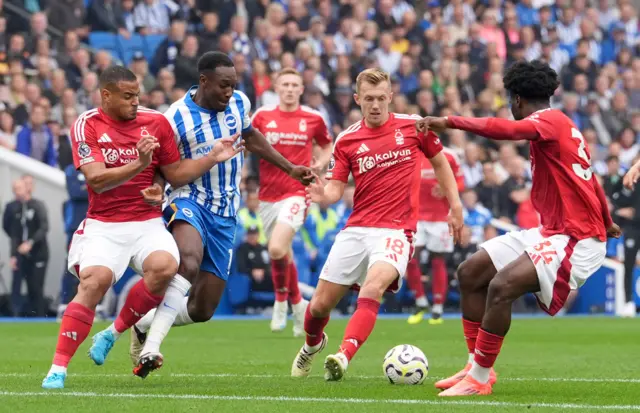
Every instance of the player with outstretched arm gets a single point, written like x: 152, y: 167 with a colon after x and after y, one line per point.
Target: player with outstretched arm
x: 383, y: 152
x: 548, y: 261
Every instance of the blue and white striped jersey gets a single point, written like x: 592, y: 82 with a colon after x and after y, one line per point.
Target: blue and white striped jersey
x: 196, y: 129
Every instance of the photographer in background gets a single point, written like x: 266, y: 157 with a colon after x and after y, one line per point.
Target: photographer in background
x: 25, y: 223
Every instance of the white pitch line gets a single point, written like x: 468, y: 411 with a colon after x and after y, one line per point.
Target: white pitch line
x: 282, y: 376
x: 440, y: 402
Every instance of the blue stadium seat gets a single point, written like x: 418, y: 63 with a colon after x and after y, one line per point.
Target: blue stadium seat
x: 128, y: 47
x: 105, y: 41
x: 152, y: 41
x: 238, y: 289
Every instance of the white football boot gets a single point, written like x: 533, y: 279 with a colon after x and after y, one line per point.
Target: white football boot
x: 303, y: 362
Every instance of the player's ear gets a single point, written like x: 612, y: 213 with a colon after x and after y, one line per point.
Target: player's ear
x: 356, y: 98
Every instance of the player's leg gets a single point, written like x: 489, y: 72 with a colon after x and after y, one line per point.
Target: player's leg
x: 439, y: 286
x: 279, y: 248
x: 414, y: 281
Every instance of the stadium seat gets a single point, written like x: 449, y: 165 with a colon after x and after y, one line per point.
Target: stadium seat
x: 105, y: 41
x: 238, y: 289
x: 128, y: 47
x: 152, y: 41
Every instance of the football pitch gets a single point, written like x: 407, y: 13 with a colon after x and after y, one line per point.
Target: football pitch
x: 550, y: 365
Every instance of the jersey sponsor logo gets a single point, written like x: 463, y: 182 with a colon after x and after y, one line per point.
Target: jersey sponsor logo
x: 390, y: 158
x: 204, y: 150
x: 272, y: 124
x: 399, y: 137
x: 303, y: 125
x: 362, y: 149
x: 187, y: 212
x: 112, y: 155
x: 84, y: 150
x: 231, y: 121
x: 286, y: 138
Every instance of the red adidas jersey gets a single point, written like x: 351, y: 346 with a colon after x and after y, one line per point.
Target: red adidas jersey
x: 434, y: 206
x: 385, y: 163
x: 292, y: 134
x: 95, y: 137
x: 563, y: 192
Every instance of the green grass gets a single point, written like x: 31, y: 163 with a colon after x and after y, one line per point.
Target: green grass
x: 224, y: 366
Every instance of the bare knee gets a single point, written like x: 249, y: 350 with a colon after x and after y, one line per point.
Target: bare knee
x: 465, y: 276
x: 499, y: 291
x: 159, y: 268
x: 373, y: 288
x: 200, y: 311
x: 277, y: 252
x: 189, y: 266
x: 94, y: 284
x: 320, y: 307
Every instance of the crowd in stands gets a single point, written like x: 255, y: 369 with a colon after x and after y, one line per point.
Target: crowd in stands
x: 445, y: 57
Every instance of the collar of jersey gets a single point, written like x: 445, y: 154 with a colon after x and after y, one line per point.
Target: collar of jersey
x: 188, y: 100
x: 384, y: 125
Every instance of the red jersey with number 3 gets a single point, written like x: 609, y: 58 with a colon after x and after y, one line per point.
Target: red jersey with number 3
x: 292, y: 134
x: 385, y: 163
x: 434, y: 206
x: 563, y: 192
x: 95, y: 137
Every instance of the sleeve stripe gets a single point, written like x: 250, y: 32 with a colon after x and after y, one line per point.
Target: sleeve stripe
x: 351, y: 129
x: 78, y: 127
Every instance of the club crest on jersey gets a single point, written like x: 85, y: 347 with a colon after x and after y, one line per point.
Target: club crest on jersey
x: 84, y: 150
x: 187, y: 212
x: 231, y: 121
x: 303, y: 125
x: 144, y: 132
x: 399, y: 137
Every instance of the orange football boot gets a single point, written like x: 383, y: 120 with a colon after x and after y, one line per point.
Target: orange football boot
x: 449, y: 382
x: 468, y: 387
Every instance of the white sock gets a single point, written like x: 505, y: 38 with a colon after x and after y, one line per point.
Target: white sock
x: 422, y: 302
x: 144, y: 323
x: 479, y: 373
x: 183, y: 318
x: 437, y: 309
x: 312, y: 349
x: 301, y: 306
x: 113, y: 330
x: 56, y: 369
x: 166, y: 313
x: 471, y: 357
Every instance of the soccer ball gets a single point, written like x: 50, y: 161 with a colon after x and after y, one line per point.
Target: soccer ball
x: 405, y: 364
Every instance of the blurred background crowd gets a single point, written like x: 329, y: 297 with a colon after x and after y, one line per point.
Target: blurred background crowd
x: 445, y: 57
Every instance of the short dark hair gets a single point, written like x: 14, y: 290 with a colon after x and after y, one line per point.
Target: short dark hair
x: 535, y: 81
x: 114, y: 74
x: 210, y: 61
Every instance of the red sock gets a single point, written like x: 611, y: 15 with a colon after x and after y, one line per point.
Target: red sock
x: 279, y: 274
x: 294, y: 289
x: 470, y: 329
x: 440, y: 281
x: 74, y: 329
x: 314, y: 327
x: 360, y: 326
x: 414, y: 278
x: 487, y: 348
x: 139, y: 302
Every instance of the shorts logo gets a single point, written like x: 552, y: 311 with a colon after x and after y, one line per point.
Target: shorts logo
x: 399, y: 137
x: 303, y: 125
x: 110, y: 155
x: 84, y: 150
x: 187, y: 212
x: 231, y: 121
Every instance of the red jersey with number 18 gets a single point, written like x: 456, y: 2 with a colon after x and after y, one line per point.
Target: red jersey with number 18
x: 563, y: 192
x: 385, y: 163
x: 95, y: 137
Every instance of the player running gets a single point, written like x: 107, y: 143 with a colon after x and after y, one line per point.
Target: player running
x: 119, y: 147
x: 433, y: 234
x: 292, y: 129
x: 202, y: 213
x: 383, y: 152
x: 548, y: 261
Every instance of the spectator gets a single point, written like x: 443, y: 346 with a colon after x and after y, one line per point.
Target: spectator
x: 89, y: 85
x: 7, y: 131
x: 492, y: 34
x: 79, y: 65
x: 68, y: 101
x: 208, y: 35
x: 107, y: 16
x: 241, y: 42
x: 629, y: 146
x: 387, y: 59
x: 471, y: 167
x: 249, y: 216
x: 25, y: 223
x: 245, y: 82
x: 65, y: 157
x: 169, y: 49
x: 612, y: 181
x: 152, y: 17
x: 35, y: 139
x: 186, y: 66
x: 515, y: 190
x: 69, y: 15
x: 616, y: 118
x: 320, y: 220
x: 39, y: 26
x: 71, y: 43
x: 477, y: 218
x: 253, y: 260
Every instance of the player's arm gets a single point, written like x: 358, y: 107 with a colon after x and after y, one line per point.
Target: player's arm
x: 491, y: 128
x: 322, y: 155
x: 330, y: 193
x: 632, y: 175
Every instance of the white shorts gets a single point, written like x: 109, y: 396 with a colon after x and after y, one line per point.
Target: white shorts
x: 435, y: 236
x: 118, y: 245
x: 290, y: 211
x: 356, y: 249
x: 562, y: 262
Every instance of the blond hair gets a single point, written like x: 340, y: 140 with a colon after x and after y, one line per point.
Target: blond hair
x: 373, y: 76
x: 288, y: 71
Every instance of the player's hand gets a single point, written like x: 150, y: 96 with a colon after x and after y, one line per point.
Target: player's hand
x: 24, y: 248
x: 614, y: 231
x: 315, y: 190
x: 631, y: 177
x: 302, y: 174
x: 146, y: 145
x: 226, y: 148
x: 431, y: 123
x: 456, y: 223
x: 153, y: 195
x: 13, y: 263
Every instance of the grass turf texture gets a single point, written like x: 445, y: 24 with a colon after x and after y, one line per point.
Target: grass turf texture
x: 569, y: 364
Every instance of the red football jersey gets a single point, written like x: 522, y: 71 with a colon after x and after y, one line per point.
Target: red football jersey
x: 563, y: 192
x: 385, y: 163
x: 434, y: 206
x: 95, y: 137
x: 292, y: 134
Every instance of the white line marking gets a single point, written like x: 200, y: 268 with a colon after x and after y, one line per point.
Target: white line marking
x: 439, y: 402
x: 282, y: 376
